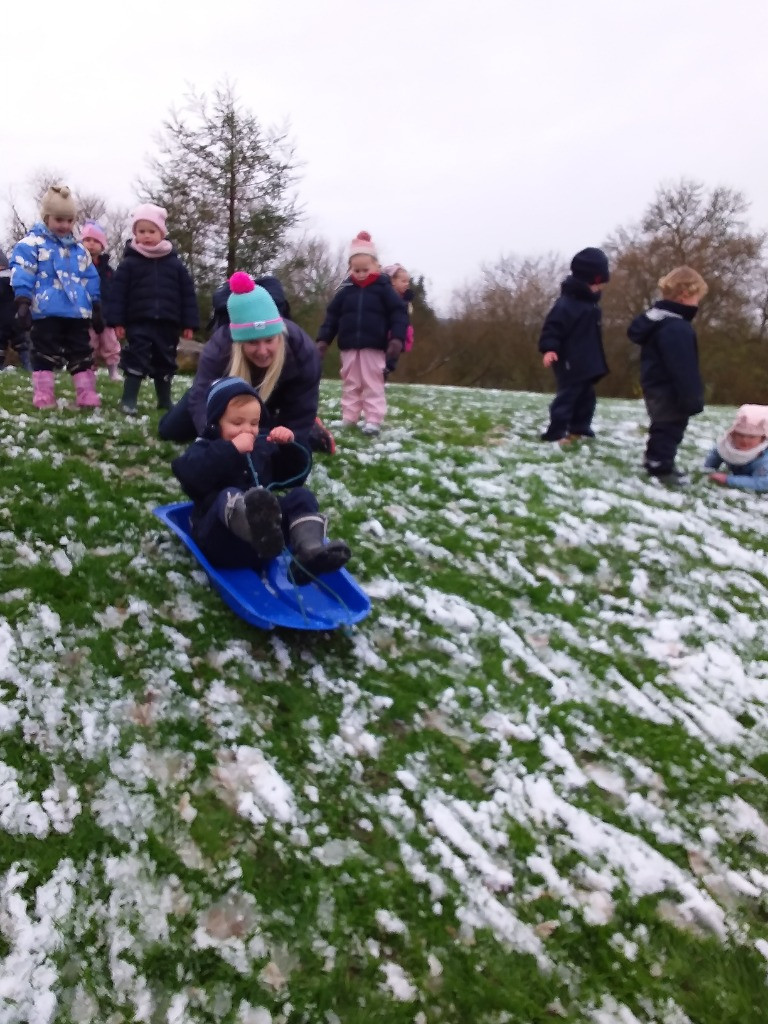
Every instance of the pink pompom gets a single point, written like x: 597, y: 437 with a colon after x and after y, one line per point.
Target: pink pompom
x: 364, y: 236
x: 240, y: 283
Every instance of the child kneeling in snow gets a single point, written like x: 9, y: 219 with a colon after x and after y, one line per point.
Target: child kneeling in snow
x: 236, y: 521
x: 744, y: 450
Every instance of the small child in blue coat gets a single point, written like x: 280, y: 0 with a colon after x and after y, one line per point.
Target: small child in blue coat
x: 744, y: 450
x: 571, y: 342
x: 57, y: 295
x: 230, y: 474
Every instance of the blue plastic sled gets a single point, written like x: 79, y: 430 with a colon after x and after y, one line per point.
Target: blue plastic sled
x: 269, y: 599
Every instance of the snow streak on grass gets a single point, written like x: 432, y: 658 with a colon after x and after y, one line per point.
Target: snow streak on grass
x: 531, y: 786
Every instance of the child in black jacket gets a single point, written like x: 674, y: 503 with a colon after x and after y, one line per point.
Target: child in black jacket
x: 669, y: 369
x: 151, y: 300
x: 571, y: 342
x: 371, y: 321
x: 105, y: 345
x: 230, y: 473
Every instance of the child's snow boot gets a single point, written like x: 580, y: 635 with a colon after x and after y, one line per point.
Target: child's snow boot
x: 43, y: 395
x: 255, y: 517
x: 163, y: 392
x: 114, y: 372
x: 129, y: 401
x: 311, y: 555
x: 25, y: 361
x: 85, y: 389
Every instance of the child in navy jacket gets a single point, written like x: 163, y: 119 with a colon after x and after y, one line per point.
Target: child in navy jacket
x: 371, y: 321
x: 151, y: 300
x: 105, y: 345
x: 230, y: 474
x: 669, y: 369
x: 571, y: 342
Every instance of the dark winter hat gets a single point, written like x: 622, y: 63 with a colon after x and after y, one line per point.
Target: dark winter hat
x: 591, y: 266
x: 221, y: 393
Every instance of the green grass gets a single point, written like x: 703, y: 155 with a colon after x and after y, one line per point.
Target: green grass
x: 530, y: 786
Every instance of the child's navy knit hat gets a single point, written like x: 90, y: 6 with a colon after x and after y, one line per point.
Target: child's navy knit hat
x: 591, y: 266
x: 221, y: 393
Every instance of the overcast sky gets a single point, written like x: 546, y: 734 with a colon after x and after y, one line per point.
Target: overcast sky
x: 453, y: 132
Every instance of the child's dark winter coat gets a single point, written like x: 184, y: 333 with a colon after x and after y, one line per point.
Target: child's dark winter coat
x: 365, y: 316
x: 573, y: 329
x: 152, y: 288
x: 669, y: 360
x: 211, y: 467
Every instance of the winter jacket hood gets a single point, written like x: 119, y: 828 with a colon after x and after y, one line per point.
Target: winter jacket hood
x: 646, y: 324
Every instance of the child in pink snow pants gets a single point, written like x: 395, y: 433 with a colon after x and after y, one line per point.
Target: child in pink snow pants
x: 371, y: 322
x: 106, y: 347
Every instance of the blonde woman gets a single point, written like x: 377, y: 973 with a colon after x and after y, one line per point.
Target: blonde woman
x: 271, y: 353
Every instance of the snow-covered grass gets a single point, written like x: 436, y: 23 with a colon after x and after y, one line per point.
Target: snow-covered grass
x: 531, y: 786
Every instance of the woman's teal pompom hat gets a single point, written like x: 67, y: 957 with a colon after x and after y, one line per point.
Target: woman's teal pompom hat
x: 252, y: 310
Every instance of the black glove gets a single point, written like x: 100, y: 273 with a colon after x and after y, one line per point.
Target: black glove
x: 23, y: 315
x: 97, y: 320
x: 322, y: 348
x: 394, y: 348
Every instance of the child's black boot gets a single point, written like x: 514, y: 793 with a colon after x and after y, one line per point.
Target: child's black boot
x: 163, y: 392
x: 311, y: 555
x: 129, y: 401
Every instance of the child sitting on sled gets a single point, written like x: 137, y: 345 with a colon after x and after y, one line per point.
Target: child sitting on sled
x: 744, y: 450
x: 230, y: 473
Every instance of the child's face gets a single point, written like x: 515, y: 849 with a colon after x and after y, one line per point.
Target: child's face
x: 240, y: 418
x: 688, y: 298
x: 60, y: 225
x: 597, y: 288
x: 147, y: 233
x: 94, y: 248
x: 743, y: 442
x: 361, y: 266
x: 400, y: 282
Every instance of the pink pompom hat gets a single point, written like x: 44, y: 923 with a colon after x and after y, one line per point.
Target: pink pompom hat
x: 252, y: 310
x: 362, y: 245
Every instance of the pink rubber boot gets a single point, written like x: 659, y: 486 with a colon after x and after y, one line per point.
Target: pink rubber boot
x: 85, y: 389
x: 43, y: 395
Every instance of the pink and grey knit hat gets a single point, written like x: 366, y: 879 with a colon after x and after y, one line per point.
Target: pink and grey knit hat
x: 362, y: 245
x: 154, y: 214
x: 252, y: 310
x: 94, y: 230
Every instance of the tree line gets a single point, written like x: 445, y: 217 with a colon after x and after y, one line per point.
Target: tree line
x: 230, y: 186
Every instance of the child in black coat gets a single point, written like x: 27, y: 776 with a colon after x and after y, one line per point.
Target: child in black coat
x: 371, y: 321
x: 105, y: 345
x: 230, y: 473
x: 10, y: 334
x: 669, y: 369
x: 152, y: 299
x: 571, y: 342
